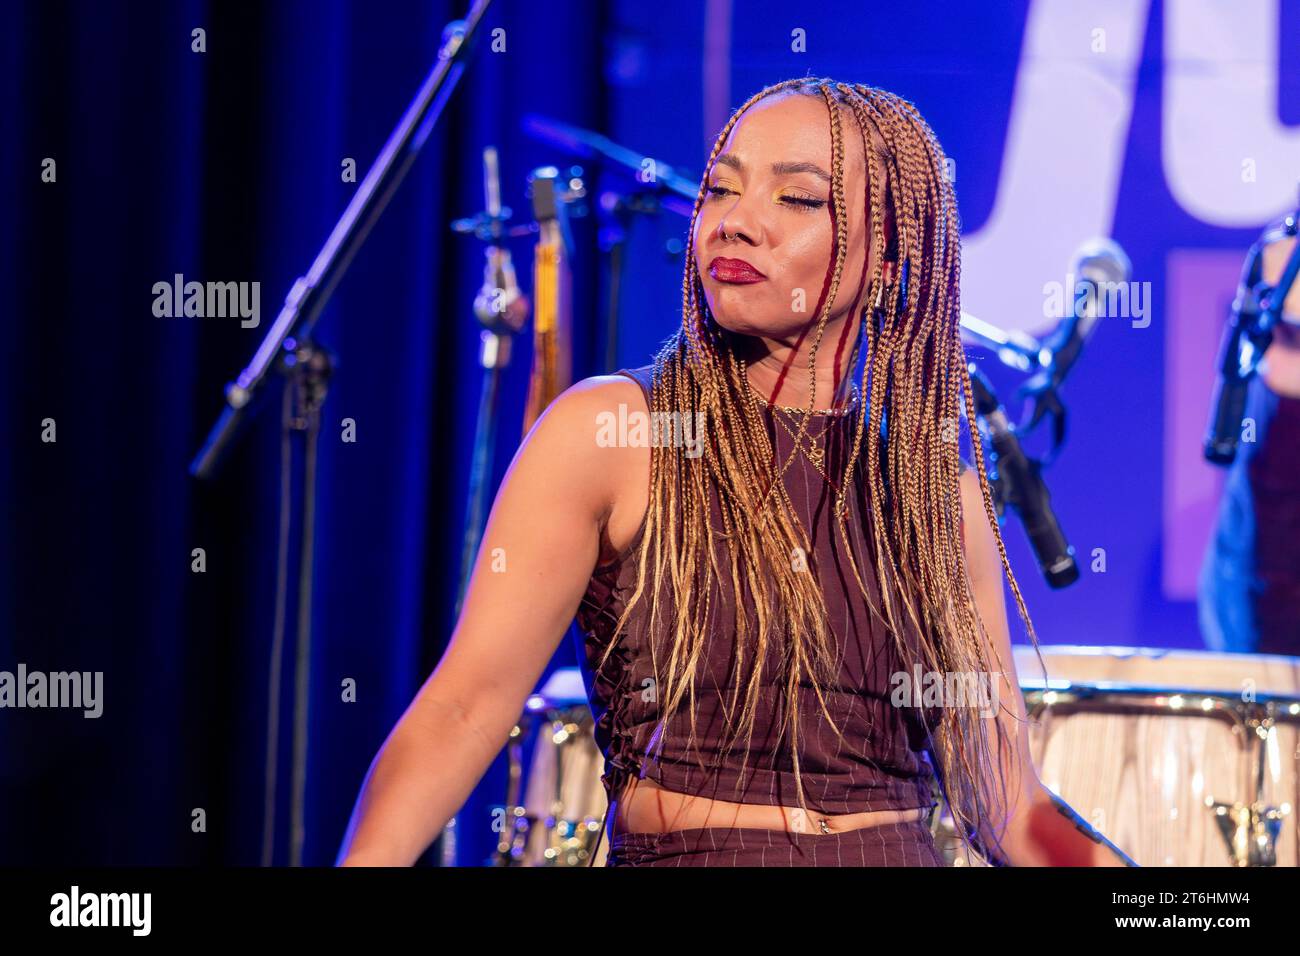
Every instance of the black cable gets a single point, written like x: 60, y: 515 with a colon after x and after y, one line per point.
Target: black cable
x: 277, y: 638
x: 311, y: 402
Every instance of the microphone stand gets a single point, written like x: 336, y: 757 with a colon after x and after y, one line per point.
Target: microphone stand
x: 1018, y: 482
x: 659, y: 187
x: 1256, y: 310
x: 619, y: 210
x: 288, y: 348
x: 613, y: 239
x: 502, y: 310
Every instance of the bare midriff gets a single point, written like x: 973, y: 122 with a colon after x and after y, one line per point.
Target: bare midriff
x: 646, y: 807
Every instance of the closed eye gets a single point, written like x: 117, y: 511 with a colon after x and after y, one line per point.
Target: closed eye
x: 806, y: 202
x: 801, y: 203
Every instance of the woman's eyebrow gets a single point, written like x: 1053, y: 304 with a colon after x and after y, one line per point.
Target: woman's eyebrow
x: 780, y: 169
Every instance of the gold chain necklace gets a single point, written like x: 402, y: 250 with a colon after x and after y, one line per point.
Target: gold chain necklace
x: 830, y: 412
x: 816, y: 454
x: 813, y: 451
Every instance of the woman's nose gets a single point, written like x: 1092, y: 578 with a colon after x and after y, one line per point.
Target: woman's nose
x: 739, y: 223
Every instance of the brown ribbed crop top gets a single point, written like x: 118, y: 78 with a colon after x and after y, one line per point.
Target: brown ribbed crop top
x: 882, y: 762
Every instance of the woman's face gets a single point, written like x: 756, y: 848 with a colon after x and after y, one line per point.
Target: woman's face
x: 770, y: 190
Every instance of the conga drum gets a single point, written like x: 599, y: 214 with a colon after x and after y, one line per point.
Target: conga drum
x: 1181, y: 758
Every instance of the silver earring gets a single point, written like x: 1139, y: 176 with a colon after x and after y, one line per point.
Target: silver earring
x: 880, y: 293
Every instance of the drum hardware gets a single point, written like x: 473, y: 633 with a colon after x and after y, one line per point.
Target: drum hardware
x: 569, y: 842
x: 1251, y: 829
x: 1251, y: 832
x: 943, y: 829
x: 515, y: 826
x: 558, y: 820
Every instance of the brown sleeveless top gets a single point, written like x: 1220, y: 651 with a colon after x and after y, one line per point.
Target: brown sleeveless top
x: 881, y: 763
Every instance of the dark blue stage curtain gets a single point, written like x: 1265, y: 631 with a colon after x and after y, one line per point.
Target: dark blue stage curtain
x: 226, y: 165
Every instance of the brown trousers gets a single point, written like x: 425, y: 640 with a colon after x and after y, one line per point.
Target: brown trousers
x: 892, y: 844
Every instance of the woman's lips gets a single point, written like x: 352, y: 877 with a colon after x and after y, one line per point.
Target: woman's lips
x: 734, y: 270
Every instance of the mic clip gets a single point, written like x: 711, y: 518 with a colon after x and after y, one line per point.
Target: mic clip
x: 1046, y: 403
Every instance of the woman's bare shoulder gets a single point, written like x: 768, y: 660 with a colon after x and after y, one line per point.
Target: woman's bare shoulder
x: 599, y: 419
x: 581, y: 408
x: 586, y: 428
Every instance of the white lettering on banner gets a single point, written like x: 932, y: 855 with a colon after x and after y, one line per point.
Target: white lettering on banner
x: 1070, y: 121
x: 1063, y: 156
x: 1220, y: 113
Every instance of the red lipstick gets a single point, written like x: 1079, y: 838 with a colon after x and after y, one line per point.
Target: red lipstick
x: 734, y: 270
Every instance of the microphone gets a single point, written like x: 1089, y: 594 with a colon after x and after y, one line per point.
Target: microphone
x: 1015, y: 349
x: 1020, y: 484
x: 1232, y: 382
x: 1098, y: 264
x: 1256, y: 310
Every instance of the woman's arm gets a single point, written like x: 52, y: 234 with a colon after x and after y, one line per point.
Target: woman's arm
x: 539, y: 548
x: 1040, y: 828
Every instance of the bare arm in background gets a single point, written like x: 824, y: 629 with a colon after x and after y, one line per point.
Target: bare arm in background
x: 540, y: 545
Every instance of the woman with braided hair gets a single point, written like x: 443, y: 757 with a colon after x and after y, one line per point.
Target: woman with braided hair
x: 777, y: 624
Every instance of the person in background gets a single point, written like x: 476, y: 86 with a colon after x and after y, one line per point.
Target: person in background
x: 1249, y: 592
